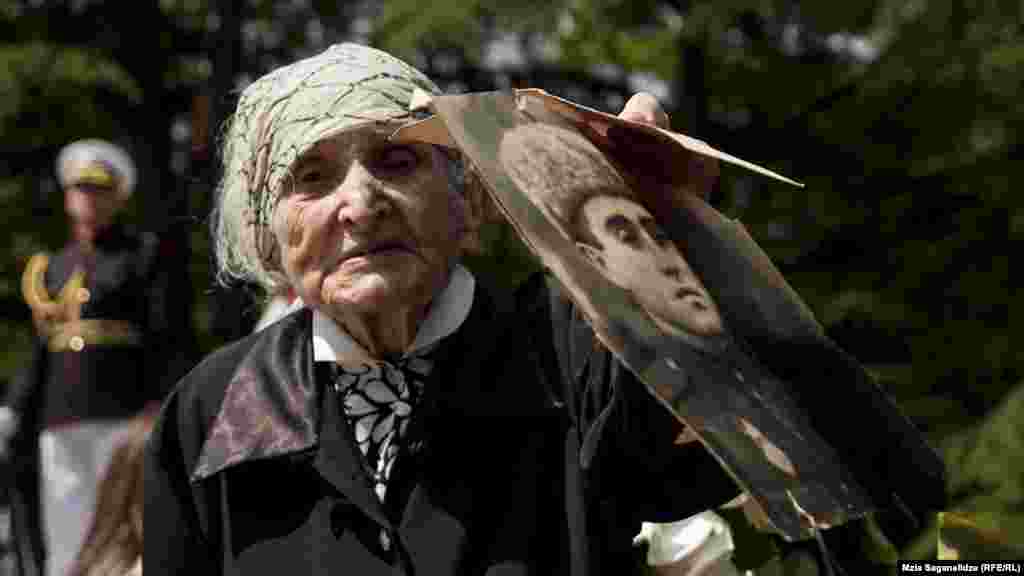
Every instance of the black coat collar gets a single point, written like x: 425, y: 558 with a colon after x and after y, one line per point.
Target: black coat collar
x: 271, y: 403
x: 275, y: 406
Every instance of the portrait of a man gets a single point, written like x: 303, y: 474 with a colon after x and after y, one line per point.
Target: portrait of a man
x: 691, y: 305
x: 583, y: 194
x: 579, y: 190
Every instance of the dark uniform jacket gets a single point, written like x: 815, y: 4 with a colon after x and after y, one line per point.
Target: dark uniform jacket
x: 109, y: 377
x: 534, y: 452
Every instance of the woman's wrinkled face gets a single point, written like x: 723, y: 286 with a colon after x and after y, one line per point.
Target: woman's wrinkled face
x: 366, y: 226
x: 636, y: 254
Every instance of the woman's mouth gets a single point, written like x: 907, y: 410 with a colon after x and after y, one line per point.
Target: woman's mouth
x: 369, y: 252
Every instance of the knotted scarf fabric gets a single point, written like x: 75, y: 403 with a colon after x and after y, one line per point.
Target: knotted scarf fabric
x: 378, y: 401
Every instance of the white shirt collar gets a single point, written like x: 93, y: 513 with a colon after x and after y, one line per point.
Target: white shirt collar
x: 332, y: 344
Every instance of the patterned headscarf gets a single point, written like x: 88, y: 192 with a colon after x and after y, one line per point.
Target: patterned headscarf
x: 284, y: 114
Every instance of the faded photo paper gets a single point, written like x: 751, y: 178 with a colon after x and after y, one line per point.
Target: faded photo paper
x: 681, y: 294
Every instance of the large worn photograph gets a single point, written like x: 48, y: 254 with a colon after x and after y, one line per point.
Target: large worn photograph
x: 681, y: 294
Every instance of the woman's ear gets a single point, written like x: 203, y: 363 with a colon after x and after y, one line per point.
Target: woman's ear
x: 595, y: 255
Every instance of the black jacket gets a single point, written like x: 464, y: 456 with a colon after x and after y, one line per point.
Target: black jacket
x: 538, y: 454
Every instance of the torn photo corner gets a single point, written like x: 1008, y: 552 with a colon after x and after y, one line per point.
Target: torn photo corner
x: 432, y: 129
x: 689, y: 303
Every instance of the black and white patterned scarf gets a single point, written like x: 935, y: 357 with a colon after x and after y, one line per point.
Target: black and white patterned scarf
x: 378, y: 400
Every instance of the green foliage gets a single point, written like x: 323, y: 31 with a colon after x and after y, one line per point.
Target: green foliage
x: 985, y: 477
x: 972, y: 538
x: 753, y: 547
x: 402, y: 27
x: 504, y: 262
x: 599, y: 32
x: 42, y: 80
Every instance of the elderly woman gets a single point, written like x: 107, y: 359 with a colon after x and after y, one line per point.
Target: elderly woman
x: 398, y: 421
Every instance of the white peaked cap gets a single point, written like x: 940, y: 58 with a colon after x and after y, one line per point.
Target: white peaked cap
x: 86, y: 157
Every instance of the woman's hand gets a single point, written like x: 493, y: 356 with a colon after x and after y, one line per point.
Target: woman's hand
x: 702, y: 171
x: 644, y: 107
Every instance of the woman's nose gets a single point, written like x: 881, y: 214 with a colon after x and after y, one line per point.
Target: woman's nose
x: 361, y: 202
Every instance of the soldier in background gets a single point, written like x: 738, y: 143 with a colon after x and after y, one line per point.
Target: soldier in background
x: 111, y: 341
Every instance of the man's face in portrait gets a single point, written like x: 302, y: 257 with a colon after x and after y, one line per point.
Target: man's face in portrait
x: 580, y: 191
x: 636, y: 254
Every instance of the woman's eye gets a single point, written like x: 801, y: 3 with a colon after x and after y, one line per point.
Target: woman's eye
x: 311, y: 176
x: 395, y: 160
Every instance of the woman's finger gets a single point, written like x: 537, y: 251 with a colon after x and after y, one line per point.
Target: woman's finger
x: 644, y: 107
